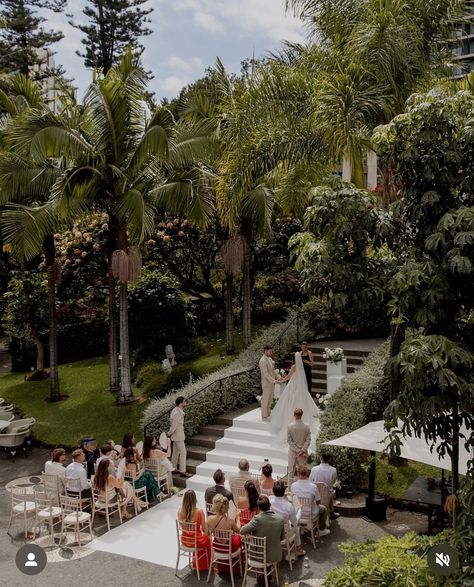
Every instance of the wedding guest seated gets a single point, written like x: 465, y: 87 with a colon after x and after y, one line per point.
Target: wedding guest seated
x: 247, y: 504
x: 105, y: 454
x: 267, y: 481
x: 112, y: 489
x: 142, y: 478
x: 270, y: 525
x: 280, y: 505
x: 242, y: 476
x: 220, y: 520
x: 190, y: 513
x: 218, y: 488
x: 152, y: 450
x: 89, y: 446
x: 129, y: 442
x: 304, y: 488
x: 114, y: 455
x: 76, y: 471
x: 327, y: 474
x: 56, y: 465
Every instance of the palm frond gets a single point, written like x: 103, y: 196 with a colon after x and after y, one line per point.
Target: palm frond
x: 21, y: 181
x: 189, y: 194
x: 134, y: 208
x: 25, y: 228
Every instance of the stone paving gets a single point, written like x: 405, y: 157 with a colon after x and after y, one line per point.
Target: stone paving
x: 107, y: 569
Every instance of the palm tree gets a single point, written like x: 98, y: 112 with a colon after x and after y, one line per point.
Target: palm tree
x: 29, y: 221
x: 120, y: 162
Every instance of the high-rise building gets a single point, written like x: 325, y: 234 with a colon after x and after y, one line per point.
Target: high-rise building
x: 464, y: 48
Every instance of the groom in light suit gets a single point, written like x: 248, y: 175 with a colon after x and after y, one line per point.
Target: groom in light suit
x: 267, y: 372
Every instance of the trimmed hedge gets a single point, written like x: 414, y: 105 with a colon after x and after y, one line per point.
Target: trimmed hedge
x: 362, y: 398
x: 240, y: 387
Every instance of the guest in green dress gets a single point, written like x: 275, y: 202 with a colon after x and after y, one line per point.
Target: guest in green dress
x: 142, y: 478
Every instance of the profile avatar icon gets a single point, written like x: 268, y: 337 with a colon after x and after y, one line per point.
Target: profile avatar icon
x: 31, y: 559
x: 31, y: 562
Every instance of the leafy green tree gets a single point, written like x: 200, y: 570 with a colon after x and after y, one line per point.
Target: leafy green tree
x: 343, y: 254
x: 429, y: 148
x: 23, y: 41
x: 113, y: 25
x: 25, y: 315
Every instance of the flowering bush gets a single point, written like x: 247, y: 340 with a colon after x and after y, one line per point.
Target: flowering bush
x: 321, y: 401
x: 333, y: 355
x: 280, y: 373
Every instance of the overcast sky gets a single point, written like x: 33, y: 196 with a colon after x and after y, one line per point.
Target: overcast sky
x: 187, y: 37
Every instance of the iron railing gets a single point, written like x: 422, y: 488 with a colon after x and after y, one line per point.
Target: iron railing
x: 276, y: 345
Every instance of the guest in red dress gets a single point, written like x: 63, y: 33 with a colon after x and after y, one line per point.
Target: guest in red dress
x: 220, y: 520
x: 190, y: 513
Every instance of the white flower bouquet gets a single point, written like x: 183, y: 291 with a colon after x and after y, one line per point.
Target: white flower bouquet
x: 280, y: 373
x: 321, y: 400
x: 333, y: 355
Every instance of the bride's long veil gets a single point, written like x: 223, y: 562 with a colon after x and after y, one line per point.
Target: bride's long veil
x: 295, y: 395
x: 299, y: 375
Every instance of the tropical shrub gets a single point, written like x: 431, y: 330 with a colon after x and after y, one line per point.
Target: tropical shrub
x: 389, y: 561
x: 361, y: 398
x: 229, y: 388
x: 159, y: 314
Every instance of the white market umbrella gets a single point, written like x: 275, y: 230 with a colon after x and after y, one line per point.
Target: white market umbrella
x: 371, y: 437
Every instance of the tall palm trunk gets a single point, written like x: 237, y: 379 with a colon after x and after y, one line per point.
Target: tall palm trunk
x: 114, y: 382
x: 33, y: 330
x: 50, y: 260
x: 125, y: 379
x: 246, y: 285
x: 229, y: 313
x: 126, y: 393
x: 358, y: 175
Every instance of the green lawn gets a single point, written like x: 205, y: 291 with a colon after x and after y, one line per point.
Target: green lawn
x: 90, y: 408
x: 403, y: 476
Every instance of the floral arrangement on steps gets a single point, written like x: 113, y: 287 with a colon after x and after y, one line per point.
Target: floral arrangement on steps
x: 333, y: 355
x: 321, y: 400
x: 240, y: 389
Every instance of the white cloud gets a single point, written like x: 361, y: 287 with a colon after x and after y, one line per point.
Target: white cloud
x: 248, y: 16
x: 209, y: 22
x: 182, y: 64
x: 171, y: 85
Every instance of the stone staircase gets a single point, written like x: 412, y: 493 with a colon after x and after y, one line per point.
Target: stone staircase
x: 200, y: 444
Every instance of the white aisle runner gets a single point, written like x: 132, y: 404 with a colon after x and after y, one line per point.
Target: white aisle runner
x: 151, y: 536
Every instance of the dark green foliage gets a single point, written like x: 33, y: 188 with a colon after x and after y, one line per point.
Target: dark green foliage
x: 158, y: 313
x: 26, y: 305
x: 362, y: 398
x: 112, y: 26
x: 21, y: 36
x: 343, y: 256
x: 389, y: 561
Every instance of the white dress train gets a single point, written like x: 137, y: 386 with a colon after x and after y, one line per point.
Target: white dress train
x: 295, y: 395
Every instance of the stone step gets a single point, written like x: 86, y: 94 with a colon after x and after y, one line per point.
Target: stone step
x: 216, y: 430
x: 192, y: 465
x: 255, y: 435
x: 236, y: 448
x: 196, y: 452
x: 201, y: 440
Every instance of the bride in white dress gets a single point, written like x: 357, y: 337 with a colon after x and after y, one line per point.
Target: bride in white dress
x: 295, y: 395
